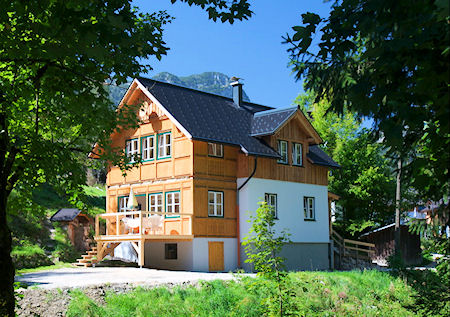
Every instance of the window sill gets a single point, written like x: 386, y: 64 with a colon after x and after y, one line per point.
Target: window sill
x: 298, y: 165
x: 309, y: 219
x: 215, y: 156
x: 163, y: 158
x: 283, y: 163
x: 212, y: 216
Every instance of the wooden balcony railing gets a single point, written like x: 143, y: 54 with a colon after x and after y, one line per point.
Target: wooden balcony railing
x: 145, y: 224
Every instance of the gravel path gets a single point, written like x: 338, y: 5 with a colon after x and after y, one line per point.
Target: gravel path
x: 82, y: 277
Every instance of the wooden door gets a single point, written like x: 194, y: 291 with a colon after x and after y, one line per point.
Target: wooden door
x: 215, y: 250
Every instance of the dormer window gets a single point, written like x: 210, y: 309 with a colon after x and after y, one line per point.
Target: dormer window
x: 215, y: 150
x: 164, y: 145
x: 283, y: 151
x: 131, y: 149
x: 297, y: 154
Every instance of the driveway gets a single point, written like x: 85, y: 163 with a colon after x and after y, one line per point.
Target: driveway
x: 82, y: 277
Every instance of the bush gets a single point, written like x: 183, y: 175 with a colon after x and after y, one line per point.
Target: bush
x: 64, y: 250
x: 29, y: 256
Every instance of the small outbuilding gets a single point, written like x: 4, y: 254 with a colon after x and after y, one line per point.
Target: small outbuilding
x: 78, y: 226
x: 384, y: 240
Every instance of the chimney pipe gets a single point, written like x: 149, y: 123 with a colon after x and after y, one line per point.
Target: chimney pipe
x: 237, y: 92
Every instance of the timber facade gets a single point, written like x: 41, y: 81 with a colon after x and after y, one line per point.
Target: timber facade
x: 204, y: 160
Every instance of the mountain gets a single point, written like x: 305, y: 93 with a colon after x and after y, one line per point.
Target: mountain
x: 212, y: 82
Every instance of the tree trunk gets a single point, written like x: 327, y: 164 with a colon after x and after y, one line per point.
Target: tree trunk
x: 398, y: 197
x: 7, y: 300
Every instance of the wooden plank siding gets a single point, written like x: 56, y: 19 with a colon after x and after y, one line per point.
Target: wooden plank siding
x: 271, y: 169
x: 217, y: 174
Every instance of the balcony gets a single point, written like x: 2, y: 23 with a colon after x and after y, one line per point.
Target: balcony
x: 143, y: 225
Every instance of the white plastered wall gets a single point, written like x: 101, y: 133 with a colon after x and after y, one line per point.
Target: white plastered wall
x: 289, y: 206
x: 155, y: 256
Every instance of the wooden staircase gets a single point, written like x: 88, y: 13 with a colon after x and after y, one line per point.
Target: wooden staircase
x: 87, y: 259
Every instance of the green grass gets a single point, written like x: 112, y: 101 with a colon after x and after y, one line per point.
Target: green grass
x: 369, y: 293
x: 57, y: 265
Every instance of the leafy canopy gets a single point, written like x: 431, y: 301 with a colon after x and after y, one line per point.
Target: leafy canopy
x: 387, y: 60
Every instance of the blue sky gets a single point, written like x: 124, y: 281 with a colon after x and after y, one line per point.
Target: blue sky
x: 250, y: 49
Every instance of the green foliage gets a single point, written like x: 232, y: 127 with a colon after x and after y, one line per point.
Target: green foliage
x: 217, y: 298
x: 262, y: 247
x: 367, y: 293
x: 29, y: 255
x: 387, y: 60
x: 365, y: 181
x: 64, y: 251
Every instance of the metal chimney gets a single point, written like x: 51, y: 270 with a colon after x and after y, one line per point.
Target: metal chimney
x: 237, y: 90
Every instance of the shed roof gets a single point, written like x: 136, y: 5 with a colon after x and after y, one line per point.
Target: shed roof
x: 65, y: 214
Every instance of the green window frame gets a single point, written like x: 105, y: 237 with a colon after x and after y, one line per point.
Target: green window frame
x: 164, y: 145
x: 172, y: 203
x: 215, y: 203
x: 148, y: 147
x: 283, y: 151
x: 122, y: 202
x: 155, y: 202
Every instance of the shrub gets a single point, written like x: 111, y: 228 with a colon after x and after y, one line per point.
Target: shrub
x: 64, y: 250
x: 29, y: 256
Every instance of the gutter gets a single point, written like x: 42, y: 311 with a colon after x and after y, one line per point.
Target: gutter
x: 237, y: 212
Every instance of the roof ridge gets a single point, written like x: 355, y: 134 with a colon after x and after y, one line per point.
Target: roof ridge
x: 276, y: 110
x: 203, y: 92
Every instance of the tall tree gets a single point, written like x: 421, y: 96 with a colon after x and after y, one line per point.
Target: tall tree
x: 364, y: 181
x: 55, y: 57
x: 388, y: 60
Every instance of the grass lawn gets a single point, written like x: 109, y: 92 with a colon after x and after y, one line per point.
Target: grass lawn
x: 368, y: 293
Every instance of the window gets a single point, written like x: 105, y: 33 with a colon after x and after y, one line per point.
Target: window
x: 297, y: 152
x: 215, y: 149
x: 123, y: 201
x: 215, y: 204
x: 171, y: 251
x: 282, y: 150
x: 309, y: 206
x: 173, y: 202
x: 148, y: 148
x: 155, y: 202
x: 131, y: 149
x: 164, y: 145
x: 271, y: 200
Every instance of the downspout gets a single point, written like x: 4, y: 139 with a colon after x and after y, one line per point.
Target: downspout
x: 237, y: 213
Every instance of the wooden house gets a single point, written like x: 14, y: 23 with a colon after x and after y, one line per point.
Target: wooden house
x: 207, y: 161
x: 78, y: 225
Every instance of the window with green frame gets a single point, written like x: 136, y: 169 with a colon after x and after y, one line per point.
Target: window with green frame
x: 173, y: 203
x: 164, y: 145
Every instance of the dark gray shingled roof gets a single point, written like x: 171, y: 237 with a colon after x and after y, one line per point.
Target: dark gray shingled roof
x: 319, y: 157
x: 65, y: 214
x: 215, y: 118
x: 210, y: 117
x: 267, y: 122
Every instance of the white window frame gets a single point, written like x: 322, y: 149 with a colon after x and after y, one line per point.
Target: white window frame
x: 148, y: 151
x: 216, y: 204
x: 309, y: 208
x: 215, y: 149
x: 164, y: 146
x: 297, y: 154
x: 131, y: 149
x: 171, y: 203
x: 123, y: 202
x: 272, y: 201
x: 283, y: 153
x: 155, y: 206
